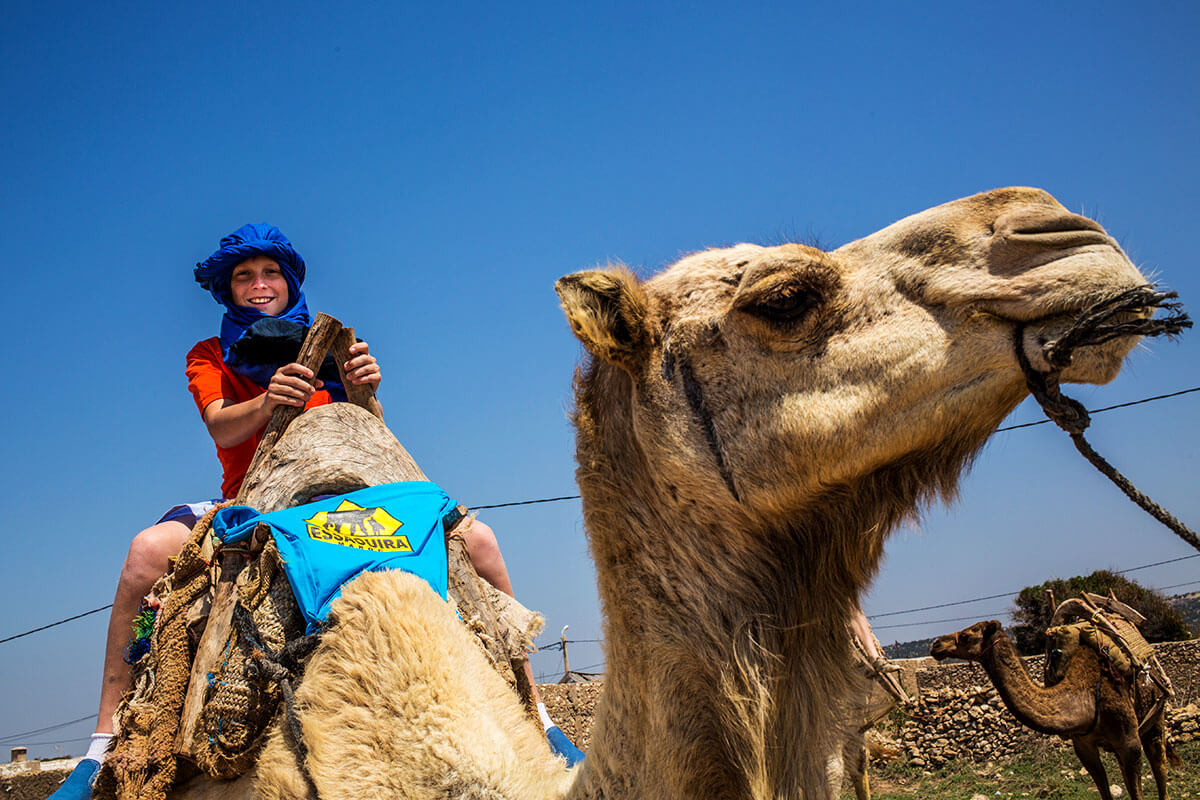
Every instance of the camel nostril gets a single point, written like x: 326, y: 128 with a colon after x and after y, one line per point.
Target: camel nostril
x: 1055, y: 223
x: 1049, y: 228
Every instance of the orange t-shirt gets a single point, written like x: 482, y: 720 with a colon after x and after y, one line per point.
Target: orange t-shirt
x: 210, y: 378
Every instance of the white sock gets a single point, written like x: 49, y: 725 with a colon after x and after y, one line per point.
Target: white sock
x: 547, y: 723
x: 99, y: 744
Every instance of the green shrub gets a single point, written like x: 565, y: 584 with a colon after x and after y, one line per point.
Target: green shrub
x: 1032, y: 616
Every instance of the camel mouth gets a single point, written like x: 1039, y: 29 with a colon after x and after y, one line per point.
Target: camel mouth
x: 939, y: 652
x: 1124, y: 304
x: 1058, y: 310
x: 1094, y: 364
x: 1102, y: 332
x: 1053, y: 326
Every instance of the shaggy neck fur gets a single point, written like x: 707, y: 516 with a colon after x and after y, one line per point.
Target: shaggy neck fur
x: 1066, y: 709
x: 726, y: 632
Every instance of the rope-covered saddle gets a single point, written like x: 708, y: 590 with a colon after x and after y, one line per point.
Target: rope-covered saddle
x: 142, y: 761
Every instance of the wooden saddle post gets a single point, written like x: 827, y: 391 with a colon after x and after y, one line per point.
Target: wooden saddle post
x: 342, y: 451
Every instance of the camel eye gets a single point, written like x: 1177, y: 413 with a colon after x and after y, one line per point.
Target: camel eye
x: 788, y: 303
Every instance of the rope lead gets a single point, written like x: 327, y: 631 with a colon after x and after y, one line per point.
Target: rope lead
x: 1096, y: 326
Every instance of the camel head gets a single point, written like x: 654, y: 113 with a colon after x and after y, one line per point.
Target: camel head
x: 761, y: 379
x: 968, y: 644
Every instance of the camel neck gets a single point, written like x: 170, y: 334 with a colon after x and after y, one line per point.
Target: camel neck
x: 1067, y: 708
x: 703, y: 680
x: 725, y: 632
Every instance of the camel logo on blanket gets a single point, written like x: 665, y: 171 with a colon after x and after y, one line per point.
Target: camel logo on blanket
x: 351, y: 525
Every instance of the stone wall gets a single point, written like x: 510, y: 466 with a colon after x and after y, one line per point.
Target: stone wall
x: 1181, y: 660
x: 573, y: 706
x: 34, y: 780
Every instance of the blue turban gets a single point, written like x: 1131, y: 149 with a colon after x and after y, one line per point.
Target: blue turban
x: 213, y: 273
x: 246, y: 242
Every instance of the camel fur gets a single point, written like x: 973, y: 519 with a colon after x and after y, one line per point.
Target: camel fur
x: 751, y: 424
x: 1092, y: 705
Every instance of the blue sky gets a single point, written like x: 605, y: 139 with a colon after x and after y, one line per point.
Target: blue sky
x: 440, y: 167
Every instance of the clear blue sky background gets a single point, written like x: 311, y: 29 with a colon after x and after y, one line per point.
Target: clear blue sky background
x: 439, y: 167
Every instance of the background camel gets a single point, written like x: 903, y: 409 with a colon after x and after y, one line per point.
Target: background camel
x: 752, y: 423
x: 1092, y: 705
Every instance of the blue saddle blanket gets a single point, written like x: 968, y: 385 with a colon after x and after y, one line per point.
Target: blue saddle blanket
x: 327, y: 543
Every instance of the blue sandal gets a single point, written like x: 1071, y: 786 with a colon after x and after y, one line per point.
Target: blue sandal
x: 562, y: 746
x: 78, y: 785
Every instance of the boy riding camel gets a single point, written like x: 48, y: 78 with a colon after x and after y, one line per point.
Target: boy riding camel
x: 256, y: 274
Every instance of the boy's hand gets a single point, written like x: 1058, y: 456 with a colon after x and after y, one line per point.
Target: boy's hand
x: 290, y: 386
x: 362, y: 366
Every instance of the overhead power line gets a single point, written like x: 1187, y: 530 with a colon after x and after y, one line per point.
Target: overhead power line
x: 1018, y: 591
x: 556, y: 644
x: 998, y: 430
x: 47, y: 729
x: 586, y: 670
x: 59, y: 741
x: 1106, y: 408
x: 992, y: 615
x: 1176, y: 585
x: 59, y: 622
x: 1157, y: 563
x: 527, y: 502
x: 559, y: 644
x: 939, y: 605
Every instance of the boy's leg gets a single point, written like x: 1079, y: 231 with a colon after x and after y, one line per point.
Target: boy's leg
x: 145, y: 563
x: 485, y: 555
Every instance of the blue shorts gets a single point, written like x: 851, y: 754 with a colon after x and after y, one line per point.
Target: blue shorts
x: 188, y: 513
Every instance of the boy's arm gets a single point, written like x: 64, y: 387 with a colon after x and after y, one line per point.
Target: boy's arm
x: 230, y: 424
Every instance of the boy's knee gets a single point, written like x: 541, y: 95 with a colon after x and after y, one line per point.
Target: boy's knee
x: 481, y: 540
x: 150, y: 552
x: 485, y: 555
x: 484, y: 552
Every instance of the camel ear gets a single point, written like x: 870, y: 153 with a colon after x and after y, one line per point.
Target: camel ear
x: 607, y: 312
x: 991, y: 628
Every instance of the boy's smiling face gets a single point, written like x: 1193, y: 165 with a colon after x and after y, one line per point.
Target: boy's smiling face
x: 258, y: 283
